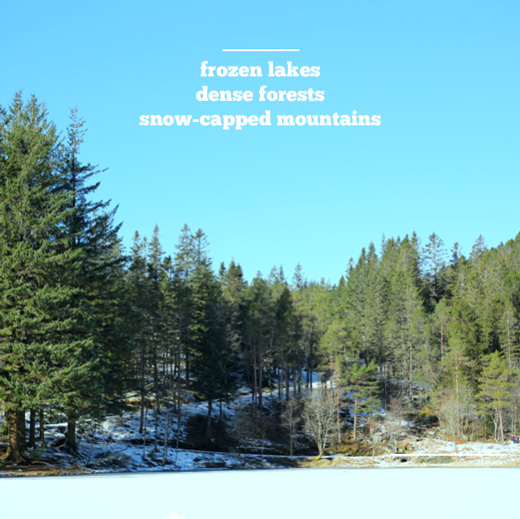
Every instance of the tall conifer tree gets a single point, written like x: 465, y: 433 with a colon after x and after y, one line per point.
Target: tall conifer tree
x: 37, y: 301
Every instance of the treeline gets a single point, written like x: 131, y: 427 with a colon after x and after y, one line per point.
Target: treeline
x: 84, y: 324
x: 444, y: 326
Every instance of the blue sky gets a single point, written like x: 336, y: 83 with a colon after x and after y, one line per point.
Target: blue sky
x: 444, y: 77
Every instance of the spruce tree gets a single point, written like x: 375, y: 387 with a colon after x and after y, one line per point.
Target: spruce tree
x: 183, y: 269
x: 37, y: 302
x: 434, y: 253
x: 363, y: 306
x: 138, y: 295
x: 212, y: 354
x: 306, y: 297
x: 92, y: 233
x: 258, y: 334
x: 405, y: 326
x: 361, y: 388
x: 495, y: 391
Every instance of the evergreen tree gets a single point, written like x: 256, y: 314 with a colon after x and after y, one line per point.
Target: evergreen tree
x: 311, y: 306
x: 404, y: 330
x: 184, y: 268
x: 363, y: 307
x: 92, y: 233
x: 138, y: 295
x: 37, y: 302
x: 361, y: 388
x: 258, y: 334
x: 157, y: 320
x: 285, y: 335
x: 212, y: 360
x: 495, y: 391
x: 434, y: 254
x: 233, y: 292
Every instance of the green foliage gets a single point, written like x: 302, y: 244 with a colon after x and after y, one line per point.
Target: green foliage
x: 434, y: 263
x: 495, y: 390
x: 81, y: 324
x: 361, y: 387
x: 212, y: 360
x: 92, y: 234
x: 42, y: 360
x: 34, y: 258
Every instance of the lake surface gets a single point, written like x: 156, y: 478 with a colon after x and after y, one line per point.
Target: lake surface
x: 421, y: 493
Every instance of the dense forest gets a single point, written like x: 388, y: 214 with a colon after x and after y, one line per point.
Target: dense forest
x: 85, y: 323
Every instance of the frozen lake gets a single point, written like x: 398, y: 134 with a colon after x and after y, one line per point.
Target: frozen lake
x: 421, y: 493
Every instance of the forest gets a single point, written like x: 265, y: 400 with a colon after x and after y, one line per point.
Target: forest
x: 86, y: 324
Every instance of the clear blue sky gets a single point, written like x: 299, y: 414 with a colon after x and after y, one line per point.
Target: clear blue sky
x: 444, y: 77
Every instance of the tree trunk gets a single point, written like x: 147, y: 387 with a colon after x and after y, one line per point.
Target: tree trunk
x: 320, y: 454
x: 41, y: 419
x: 442, y: 343
x: 338, y: 421
x: 156, y: 389
x: 287, y: 383
x: 178, y: 402
x: 32, y: 428
x: 208, y: 426
x: 260, y: 381
x: 156, y: 416
x: 187, y: 368
x: 458, y: 426
x: 355, y: 418
x: 166, y: 434
x: 143, y: 388
x: 253, y: 396
x: 16, y: 436
x: 70, y: 436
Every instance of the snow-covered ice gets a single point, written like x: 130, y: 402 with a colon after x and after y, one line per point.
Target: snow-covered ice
x: 267, y: 494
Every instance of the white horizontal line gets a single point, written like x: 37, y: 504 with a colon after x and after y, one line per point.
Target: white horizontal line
x: 260, y: 50
x: 445, y: 454
x: 437, y: 454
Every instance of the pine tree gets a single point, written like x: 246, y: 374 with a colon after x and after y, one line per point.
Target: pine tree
x: 92, y: 233
x: 234, y: 288
x: 311, y: 307
x: 285, y: 334
x: 495, y: 391
x: 434, y: 253
x: 183, y: 270
x: 361, y: 387
x: 156, y: 319
x: 404, y: 329
x: 212, y: 359
x: 37, y: 303
x: 258, y: 334
x: 138, y: 296
x: 363, y: 303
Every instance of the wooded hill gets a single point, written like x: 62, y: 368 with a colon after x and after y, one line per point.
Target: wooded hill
x: 84, y: 323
